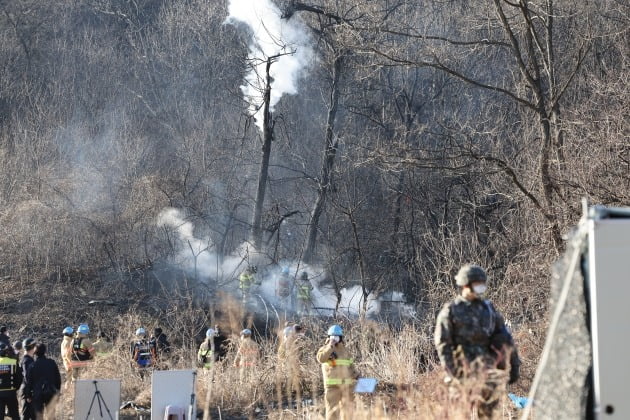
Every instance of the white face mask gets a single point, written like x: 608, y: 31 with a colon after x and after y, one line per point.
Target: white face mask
x: 479, y: 289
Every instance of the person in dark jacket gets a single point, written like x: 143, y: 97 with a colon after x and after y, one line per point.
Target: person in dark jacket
x: 43, y: 382
x: 10, y: 381
x: 17, y: 350
x: 221, y: 344
x: 160, y: 343
x: 4, y: 336
x: 26, y: 364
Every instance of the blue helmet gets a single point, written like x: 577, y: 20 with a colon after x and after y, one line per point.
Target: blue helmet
x: 210, y: 332
x: 141, y: 331
x: 335, y: 330
x: 83, y: 329
x: 246, y: 331
x: 68, y: 331
x: 285, y: 270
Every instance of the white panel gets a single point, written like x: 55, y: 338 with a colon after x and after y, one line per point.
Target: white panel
x: 172, y: 387
x: 86, y: 399
x: 609, y: 261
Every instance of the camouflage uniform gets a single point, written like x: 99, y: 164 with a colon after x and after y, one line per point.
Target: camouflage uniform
x: 472, y: 343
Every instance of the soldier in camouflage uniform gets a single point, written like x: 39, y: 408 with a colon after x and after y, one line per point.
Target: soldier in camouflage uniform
x: 474, y: 344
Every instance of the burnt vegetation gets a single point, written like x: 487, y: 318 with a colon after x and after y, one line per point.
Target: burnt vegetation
x: 424, y: 135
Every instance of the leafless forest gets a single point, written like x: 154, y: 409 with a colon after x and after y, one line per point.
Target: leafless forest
x: 421, y: 135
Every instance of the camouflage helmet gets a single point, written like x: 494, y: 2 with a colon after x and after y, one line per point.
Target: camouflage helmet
x: 470, y: 273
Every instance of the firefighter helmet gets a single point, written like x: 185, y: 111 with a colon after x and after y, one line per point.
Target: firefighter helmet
x: 141, y: 332
x: 209, y: 332
x: 470, y: 273
x: 83, y: 329
x: 246, y: 332
x: 68, y: 331
x: 335, y: 330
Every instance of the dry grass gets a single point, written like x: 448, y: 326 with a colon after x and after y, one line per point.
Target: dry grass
x: 410, y: 383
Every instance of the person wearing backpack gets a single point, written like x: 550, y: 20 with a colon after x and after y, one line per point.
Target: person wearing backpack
x: 43, y: 383
x: 10, y: 381
x: 82, y: 351
x: 475, y: 347
x: 143, y: 353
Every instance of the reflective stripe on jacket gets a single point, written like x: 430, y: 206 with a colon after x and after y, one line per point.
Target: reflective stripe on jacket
x: 9, y: 375
x: 304, y: 291
x: 205, y: 355
x: 246, y: 281
x: 337, y: 365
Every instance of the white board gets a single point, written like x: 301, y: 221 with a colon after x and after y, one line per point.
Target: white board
x: 173, y: 387
x: 86, y: 399
x: 609, y: 253
x: 365, y: 385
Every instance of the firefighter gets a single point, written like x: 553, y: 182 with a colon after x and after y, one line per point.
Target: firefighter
x: 66, y: 353
x: 284, y: 287
x: 246, y: 282
x: 142, y: 352
x: 205, y: 355
x: 247, y: 355
x: 304, y: 289
x: 221, y: 344
x: 286, y: 332
x: 291, y: 357
x: 10, y: 381
x: 82, y: 351
x: 338, y: 373
x: 160, y: 342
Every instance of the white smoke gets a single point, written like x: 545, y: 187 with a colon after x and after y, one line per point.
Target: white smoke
x: 197, y: 255
x: 193, y: 254
x: 272, y: 36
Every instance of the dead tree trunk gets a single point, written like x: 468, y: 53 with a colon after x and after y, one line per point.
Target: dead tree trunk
x: 330, y: 152
x: 256, y: 231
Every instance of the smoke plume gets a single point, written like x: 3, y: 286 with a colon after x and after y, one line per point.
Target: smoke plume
x: 196, y: 255
x: 271, y: 36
